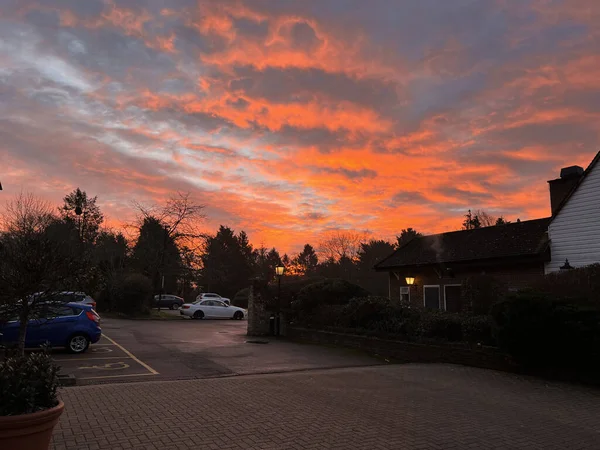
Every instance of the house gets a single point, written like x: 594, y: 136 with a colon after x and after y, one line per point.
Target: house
x: 429, y: 271
x: 574, y: 230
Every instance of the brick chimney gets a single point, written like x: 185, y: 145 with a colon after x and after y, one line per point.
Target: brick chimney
x: 561, y: 187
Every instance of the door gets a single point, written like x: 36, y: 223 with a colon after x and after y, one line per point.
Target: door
x: 208, y: 309
x: 55, y: 326
x: 431, y: 296
x: 453, y: 298
x: 221, y: 311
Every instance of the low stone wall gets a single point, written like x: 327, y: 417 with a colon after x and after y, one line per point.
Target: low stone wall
x: 487, y: 358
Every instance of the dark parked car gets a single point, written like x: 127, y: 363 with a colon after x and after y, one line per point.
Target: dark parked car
x: 168, y: 301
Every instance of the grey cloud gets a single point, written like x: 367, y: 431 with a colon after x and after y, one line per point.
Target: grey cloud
x: 355, y: 175
x: 407, y: 197
x: 281, y: 85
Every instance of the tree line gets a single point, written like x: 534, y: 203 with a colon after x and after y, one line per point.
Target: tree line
x: 166, y: 247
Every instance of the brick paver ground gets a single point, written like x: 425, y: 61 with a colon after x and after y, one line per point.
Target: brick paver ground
x: 386, y: 407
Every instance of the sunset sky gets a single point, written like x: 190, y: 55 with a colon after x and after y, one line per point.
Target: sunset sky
x: 289, y: 118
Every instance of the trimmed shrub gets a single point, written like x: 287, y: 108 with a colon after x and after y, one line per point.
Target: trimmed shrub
x: 580, y: 285
x: 28, y: 384
x: 240, y: 299
x: 326, y: 292
x: 478, y: 330
x: 541, y: 331
x: 480, y: 293
x: 134, y: 295
x: 440, y: 326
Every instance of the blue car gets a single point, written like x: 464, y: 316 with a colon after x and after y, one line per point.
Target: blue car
x: 72, y: 325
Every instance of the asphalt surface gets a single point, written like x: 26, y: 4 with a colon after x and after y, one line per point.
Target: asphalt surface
x: 144, y: 350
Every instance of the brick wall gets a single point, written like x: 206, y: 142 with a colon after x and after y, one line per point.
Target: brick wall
x: 407, y: 352
x: 515, y: 276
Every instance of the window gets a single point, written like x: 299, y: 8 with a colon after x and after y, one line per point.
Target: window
x: 431, y: 297
x: 208, y: 303
x: 405, y: 294
x: 217, y: 303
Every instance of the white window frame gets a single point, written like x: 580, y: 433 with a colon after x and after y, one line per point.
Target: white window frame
x: 439, y: 294
x: 407, y: 292
x: 445, y: 286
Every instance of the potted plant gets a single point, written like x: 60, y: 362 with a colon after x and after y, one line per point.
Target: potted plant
x: 29, y: 407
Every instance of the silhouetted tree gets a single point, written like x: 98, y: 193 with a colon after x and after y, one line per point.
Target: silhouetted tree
x: 341, y: 244
x: 265, y: 262
x: 39, y: 254
x: 485, y: 219
x: 500, y: 221
x: 370, y: 254
x: 82, y: 211
x: 306, y: 261
x: 406, y: 235
x: 156, y: 253
x: 471, y: 221
x: 227, y: 262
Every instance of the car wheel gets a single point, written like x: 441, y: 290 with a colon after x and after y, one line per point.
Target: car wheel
x: 174, y: 306
x: 78, y: 343
x: 198, y: 315
x: 238, y: 315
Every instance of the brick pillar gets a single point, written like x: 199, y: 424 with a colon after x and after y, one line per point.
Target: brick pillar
x: 258, y: 316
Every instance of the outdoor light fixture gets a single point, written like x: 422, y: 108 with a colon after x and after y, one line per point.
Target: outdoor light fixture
x: 279, y: 270
x: 410, y: 281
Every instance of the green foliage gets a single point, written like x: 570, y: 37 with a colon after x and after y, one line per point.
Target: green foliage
x: 306, y: 261
x: 134, y: 295
x: 241, y: 298
x: 440, y: 326
x: 580, y: 285
x: 28, y: 384
x: 227, y: 262
x: 82, y: 211
x: 326, y: 292
x: 543, y: 331
x: 478, y: 330
x: 156, y: 253
x: 480, y: 292
x: 376, y: 315
x: 406, y: 235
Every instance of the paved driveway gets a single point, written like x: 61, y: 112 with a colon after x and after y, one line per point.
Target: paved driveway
x: 135, y: 350
x: 385, y: 407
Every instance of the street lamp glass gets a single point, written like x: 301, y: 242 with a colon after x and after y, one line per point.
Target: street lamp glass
x: 279, y: 270
x: 410, y: 280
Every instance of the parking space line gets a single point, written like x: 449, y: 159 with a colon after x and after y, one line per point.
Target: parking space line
x: 118, y: 376
x: 88, y: 359
x: 132, y: 356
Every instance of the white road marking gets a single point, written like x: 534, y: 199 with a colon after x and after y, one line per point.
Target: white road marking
x: 145, y: 374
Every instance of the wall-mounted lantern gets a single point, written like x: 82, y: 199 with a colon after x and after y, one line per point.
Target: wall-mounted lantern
x: 410, y: 281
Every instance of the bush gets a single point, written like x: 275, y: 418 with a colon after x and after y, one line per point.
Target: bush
x: 478, y: 330
x: 440, y: 326
x: 326, y: 292
x: 28, y: 384
x: 580, y: 285
x: 480, y: 293
x: 541, y: 331
x: 134, y: 295
x: 240, y: 299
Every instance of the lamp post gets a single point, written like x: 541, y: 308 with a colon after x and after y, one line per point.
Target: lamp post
x: 279, y: 272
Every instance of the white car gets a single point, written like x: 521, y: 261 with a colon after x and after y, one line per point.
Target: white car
x: 211, y: 296
x: 212, y: 309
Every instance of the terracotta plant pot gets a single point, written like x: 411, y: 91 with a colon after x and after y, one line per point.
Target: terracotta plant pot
x: 29, y: 431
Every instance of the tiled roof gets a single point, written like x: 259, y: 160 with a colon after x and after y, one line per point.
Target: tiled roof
x: 513, y: 240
